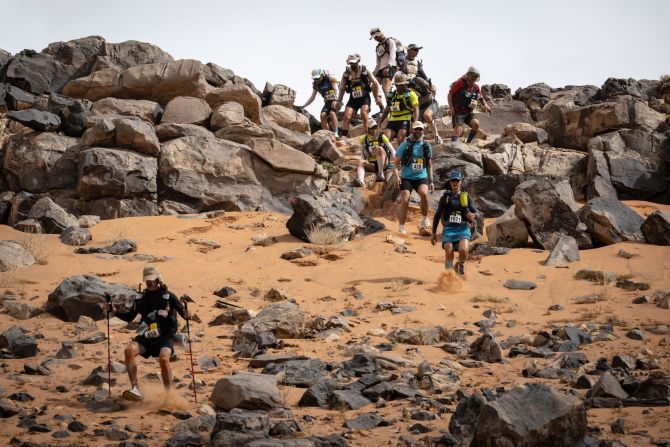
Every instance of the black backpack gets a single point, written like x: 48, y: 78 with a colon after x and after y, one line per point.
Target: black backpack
x: 367, y: 144
x: 409, y: 152
x: 365, y: 80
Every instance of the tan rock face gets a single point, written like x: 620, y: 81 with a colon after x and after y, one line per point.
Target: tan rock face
x: 156, y: 82
x: 186, y: 110
x: 13, y: 256
x: 241, y: 94
x: 143, y: 109
x: 131, y: 133
x: 228, y: 112
x: 287, y: 118
x: 282, y: 157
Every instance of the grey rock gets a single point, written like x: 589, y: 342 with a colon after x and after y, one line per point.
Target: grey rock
x: 247, y: 391
x: 239, y: 427
x: 317, y: 395
x: 610, y: 221
x: 347, y: 400
x: 417, y: 336
x: 656, y: 228
x: 76, y: 235
x: 36, y: 119
x: 261, y: 361
x: 635, y: 334
x: 53, y: 218
x: 14, y: 256
x: 549, y: 211
x: 531, y: 415
x: 515, y: 284
x: 564, y: 252
x: 607, y: 386
x: 298, y: 373
x: 298, y: 253
x: 18, y: 343
x: 284, y: 319
x: 487, y: 349
x: 365, y: 421
x: 8, y: 409
x: 507, y: 231
x: 120, y: 247
x: 84, y: 295
x: 148, y: 111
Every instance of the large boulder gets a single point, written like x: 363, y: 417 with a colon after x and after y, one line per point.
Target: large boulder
x: 282, y: 157
x: 238, y: 428
x: 531, y: 415
x: 504, y: 113
x: 16, y: 99
x: 209, y: 173
x: 186, y: 110
x: 286, y: 117
x: 128, y: 54
x: 564, y: 252
x: 166, y: 132
x: 572, y: 127
x: 112, y: 208
x: 598, y: 179
x: 505, y: 159
x: 20, y: 205
x: 240, y: 94
x: 38, y: 162
x: 147, y: 110
x: 284, y: 319
x: 131, y: 133
x: 507, y: 231
x: 278, y: 94
x: 247, y: 391
x: 84, y: 295
x: 492, y: 193
x: 656, y: 228
x: 118, y: 173
x: 610, y: 221
x: 228, y: 112
x: 18, y: 343
x: 51, y: 216
x: 323, y: 212
x: 73, y: 113
x: 36, y: 119
x: 565, y: 163
x: 81, y: 53
x: 158, y: 82
x: 548, y: 208
x: 241, y: 132
x: 526, y: 132
x: 37, y: 73
x: 535, y: 96
x: 13, y: 256
x: 643, y: 89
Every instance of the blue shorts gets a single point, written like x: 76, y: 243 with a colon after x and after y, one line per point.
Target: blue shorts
x: 455, y: 233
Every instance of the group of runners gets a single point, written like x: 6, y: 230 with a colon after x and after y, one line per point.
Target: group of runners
x: 406, y: 96
x: 410, y: 106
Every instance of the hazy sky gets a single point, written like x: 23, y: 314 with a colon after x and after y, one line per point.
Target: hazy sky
x: 515, y: 43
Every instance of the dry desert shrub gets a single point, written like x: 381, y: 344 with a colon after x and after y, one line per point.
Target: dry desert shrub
x: 489, y: 299
x: 118, y: 231
x: 324, y: 239
x: 37, y: 245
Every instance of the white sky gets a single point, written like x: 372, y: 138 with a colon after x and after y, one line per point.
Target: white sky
x: 515, y: 43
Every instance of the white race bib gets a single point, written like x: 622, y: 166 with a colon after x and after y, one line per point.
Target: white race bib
x: 395, y: 107
x: 455, y: 218
x: 380, y: 50
x: 357, y: 92
x: 417, y: 166
x: 330, y: 96
x: 153, y: 331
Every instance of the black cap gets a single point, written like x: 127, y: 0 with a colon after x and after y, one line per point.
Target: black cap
x: 413, y: 46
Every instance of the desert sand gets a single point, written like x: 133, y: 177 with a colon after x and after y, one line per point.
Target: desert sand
x: 367, y: 264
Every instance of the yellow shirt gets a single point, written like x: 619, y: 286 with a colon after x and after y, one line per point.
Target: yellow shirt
x: 401, y: 105
x: 373, y: 144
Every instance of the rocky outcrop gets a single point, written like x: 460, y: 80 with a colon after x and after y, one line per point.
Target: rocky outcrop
x: 131, y: 133
x: 186, y: 110
x: 610, y: 221
x: 656, y: 228
x: 146, y: 110
x: 547, y: 207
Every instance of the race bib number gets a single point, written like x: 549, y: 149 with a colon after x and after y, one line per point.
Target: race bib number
x: 417, y: 166
x: 153, y: 331
x: 358, y: 92
x: 455, y: 218
x: 395, y: 107
x: 474, y: 103
x: 380, y: 50
x: 330, y: 96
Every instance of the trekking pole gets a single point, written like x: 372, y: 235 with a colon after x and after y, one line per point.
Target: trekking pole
x: 190, y: 351
x: 108, y: 297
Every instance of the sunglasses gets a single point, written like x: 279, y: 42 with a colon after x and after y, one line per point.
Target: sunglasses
x: 454, y: 180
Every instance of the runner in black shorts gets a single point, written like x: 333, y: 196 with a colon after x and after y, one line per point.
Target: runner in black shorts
x: 396, y: 126
x: 358, y: 82
x: 325, y: 84
x: 459, y: 120
x: 413, y: 185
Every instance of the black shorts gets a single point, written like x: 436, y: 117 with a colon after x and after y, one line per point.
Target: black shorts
x: 432, y: 105
x: 328, y: 107
x: 459, y: 120
x: 153, y: 348
x: 357, y: 103
x: 373, y: 166
x: 396, y: 126
x: 391, y: 72
x: 409, y: 185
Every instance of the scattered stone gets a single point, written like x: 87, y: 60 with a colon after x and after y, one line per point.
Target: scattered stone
x: 298, y: 253
x: 564, y: 252
x: 274, y: 295
x: 17, y: 343
x: 656, y: 228
x: 66, y: 351
x: 76, y: 236
x: 596, y: 276
x: 225, y: 292
x: 417, y: 336
x: 207, y: 363
x: 365, y: 421
x: 515, y: 284
x: 317, y: 395
x: 347, y: 400
x: 486, y: 349
x: 635, y: 334
x: 607, y: 386
x: 247, y: 391
x: 120, y: 247
x: 619, y: 426
x: 299, y: 373
x: 8, y: 409
x: 556, y: 307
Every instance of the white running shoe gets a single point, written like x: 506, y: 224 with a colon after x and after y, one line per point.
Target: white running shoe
x: 425, y: 223
x: 401, y: 229
x: 133, y: 394
x: 438, y: 140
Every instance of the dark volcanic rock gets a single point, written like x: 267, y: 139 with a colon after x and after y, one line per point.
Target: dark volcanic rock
x: 656, y: 228
x: 36, y: 119
x: 299, y: 373
x: 17, y: 343
x: 610, y: 221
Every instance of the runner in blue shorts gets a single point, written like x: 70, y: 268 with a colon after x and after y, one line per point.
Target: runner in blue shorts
x: 456, y: 209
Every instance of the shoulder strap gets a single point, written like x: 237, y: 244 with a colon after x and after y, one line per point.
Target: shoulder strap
x: 409, y: 152
x: 426, y: 151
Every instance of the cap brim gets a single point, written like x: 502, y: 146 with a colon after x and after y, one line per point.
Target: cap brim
x: 151, y: 277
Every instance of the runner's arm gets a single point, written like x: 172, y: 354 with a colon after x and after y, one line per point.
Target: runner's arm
x: 131, y: 313
x: 310, y: 100
x: 391, y: 53
x: 438, y: 214
x: 375, y: 86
